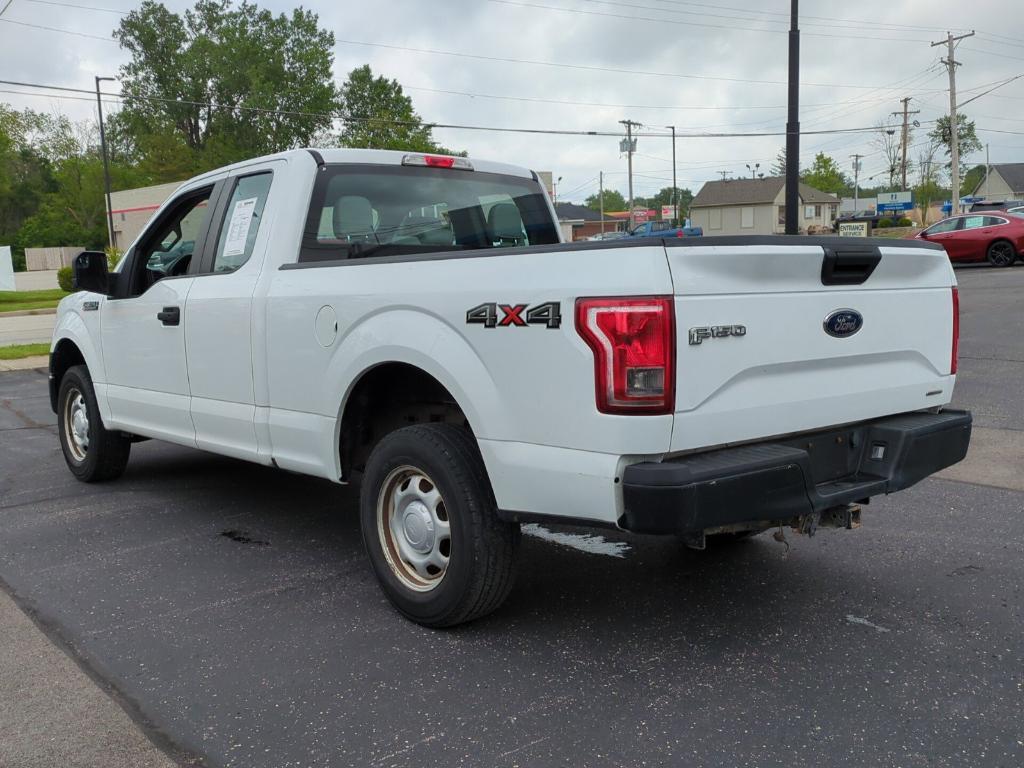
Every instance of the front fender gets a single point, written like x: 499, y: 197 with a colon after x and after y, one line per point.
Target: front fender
x: 73, y: 327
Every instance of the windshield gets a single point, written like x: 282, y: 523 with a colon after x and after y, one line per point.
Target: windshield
x: 360, y: 210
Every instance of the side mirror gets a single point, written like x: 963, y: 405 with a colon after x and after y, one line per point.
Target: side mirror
x: 923, y: 233
x: 90, y: 272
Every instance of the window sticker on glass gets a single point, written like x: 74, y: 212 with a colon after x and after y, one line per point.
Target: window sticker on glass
x: 238, y: 227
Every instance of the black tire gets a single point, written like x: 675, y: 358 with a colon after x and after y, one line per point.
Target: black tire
x: 1001, y: 253
x: 105, y: 453
x: 479, y: 569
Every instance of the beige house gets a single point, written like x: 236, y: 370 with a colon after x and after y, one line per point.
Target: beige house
x: 1005, y: 182
x: 758, y: 207
x: 133, y: 208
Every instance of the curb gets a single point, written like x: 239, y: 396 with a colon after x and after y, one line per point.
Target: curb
x: 27, y: 312
x: 25, y: 364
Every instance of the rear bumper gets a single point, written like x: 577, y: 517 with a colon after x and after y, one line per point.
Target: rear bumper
x: 782, y: 480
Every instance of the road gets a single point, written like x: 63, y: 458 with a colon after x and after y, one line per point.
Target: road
x: 231, y: 608
x: 26, y: 329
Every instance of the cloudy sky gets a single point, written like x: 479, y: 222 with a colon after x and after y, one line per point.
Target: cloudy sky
x: 703, y: 67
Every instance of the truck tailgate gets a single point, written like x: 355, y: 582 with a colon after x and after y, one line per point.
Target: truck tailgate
x: 771, y: 367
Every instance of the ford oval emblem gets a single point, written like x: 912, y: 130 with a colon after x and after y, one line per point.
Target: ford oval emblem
x: 843, y: 323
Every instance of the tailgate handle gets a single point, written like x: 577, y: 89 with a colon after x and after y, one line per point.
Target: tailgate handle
x: 849, y: 265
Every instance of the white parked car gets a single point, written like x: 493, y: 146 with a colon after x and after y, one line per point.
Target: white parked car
x: 413, y: 322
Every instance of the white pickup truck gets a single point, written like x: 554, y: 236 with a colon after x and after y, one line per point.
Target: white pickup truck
x: 414, y: 322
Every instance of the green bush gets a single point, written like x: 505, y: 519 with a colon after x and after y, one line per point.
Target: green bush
x: 64, y: 279
x: 18, y: 260
x: 885, y: 223
x: 903, y: 221
x: 113, y: 256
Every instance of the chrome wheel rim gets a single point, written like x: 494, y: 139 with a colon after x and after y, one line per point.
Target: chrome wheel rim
x: 76, y: 424
x: 414, y: 530
x: 1002, y: 254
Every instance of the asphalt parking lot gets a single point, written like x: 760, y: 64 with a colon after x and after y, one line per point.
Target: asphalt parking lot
x: 230, y: 609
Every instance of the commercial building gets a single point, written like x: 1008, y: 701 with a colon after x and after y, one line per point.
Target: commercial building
x: 758, y: 207
x: 583, y: 222
x: 133, y: 208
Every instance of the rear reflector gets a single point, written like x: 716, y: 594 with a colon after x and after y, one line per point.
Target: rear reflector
x: 438, y: 161
x: 633, y: 340
x: 956, y: 332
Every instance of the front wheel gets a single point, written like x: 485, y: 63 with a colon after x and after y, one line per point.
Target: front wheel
x: 1001, y: 253
x: 92, y: 452
x: 431, y: 529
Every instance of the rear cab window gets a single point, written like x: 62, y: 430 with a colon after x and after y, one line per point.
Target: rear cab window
x: 362, y: 211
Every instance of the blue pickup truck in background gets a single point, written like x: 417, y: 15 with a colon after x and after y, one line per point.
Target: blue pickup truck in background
x: 665, y: 229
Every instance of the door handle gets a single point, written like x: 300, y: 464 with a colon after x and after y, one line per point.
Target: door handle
x: 169, y: 316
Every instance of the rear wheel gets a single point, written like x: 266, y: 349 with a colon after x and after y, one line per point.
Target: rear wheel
x: 431, y: 529
x: 92, y: 452
x: 1001, y: 253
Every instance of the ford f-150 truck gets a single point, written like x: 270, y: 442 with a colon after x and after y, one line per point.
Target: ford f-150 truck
x: 413, y: 323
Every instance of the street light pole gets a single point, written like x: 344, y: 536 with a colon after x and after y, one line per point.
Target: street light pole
x: 675, y: 198
x: 793, y: 125
x: 106, y: 163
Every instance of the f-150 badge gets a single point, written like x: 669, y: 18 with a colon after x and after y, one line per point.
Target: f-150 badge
x: 548, y: 314
x: 697, y: 335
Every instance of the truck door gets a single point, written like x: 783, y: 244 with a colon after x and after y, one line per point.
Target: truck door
x: 142, y: 328
x: 219, y: 310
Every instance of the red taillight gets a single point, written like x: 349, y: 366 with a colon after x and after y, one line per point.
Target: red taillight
x: 633, y: 340
x: 439, y: 161
x: 956, y: 332
x: 679, y: 233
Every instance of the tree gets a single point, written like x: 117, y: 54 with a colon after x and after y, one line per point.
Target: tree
x: 664, y: 197
x: 26, y: 175
x: 824, y: 174
x: 967, y: 139
x: 972, y: 180
x: 927, y: 189
x: 779, y: 168
x: 613, y: 201
x: 379, y: 115
x: 189, y: 78
x: 887, y: 142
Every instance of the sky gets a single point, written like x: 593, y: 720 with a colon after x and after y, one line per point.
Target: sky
x: 701, y: 66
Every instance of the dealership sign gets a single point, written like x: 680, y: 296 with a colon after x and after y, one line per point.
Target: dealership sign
x: 894, y: 201
x: 854, y: 229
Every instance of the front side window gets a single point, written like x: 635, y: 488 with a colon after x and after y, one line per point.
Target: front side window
x: 168, y: 248
x: 943, y: 226
x: 358, y: 211
x: 241, y: 223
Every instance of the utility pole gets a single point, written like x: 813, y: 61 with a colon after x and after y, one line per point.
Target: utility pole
x: 106, y: 163
x: 906, y: 130
x: 630, y: 148
x: 600, y: 196
x: 856, y: 182
x: 793, y: 125
x: 954, y: 139
x: 675, y: 199
x: 724, y: 174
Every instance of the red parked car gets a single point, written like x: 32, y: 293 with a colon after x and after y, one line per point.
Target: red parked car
x: 997, y: 236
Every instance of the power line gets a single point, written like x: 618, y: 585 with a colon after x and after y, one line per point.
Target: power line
x: 569, y: 102
x: 843, y: 23
x: 79, y: 7
x: 55, y: 29
x: 631, y: 17
x: 592, y: 68
x: 430, y: 124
